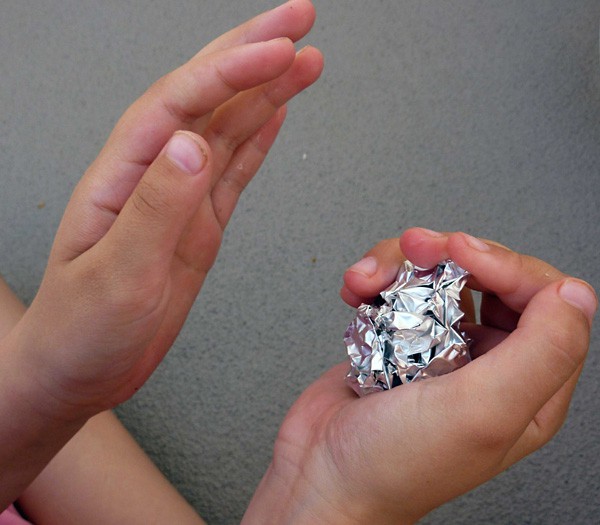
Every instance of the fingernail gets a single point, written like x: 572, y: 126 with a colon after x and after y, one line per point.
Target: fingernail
x: 580, y: 295
x: 183, y: 151
x: 366, y: 267
x: 432, y: 233
x: 475, y: 243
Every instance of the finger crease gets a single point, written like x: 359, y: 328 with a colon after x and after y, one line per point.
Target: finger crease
x: 267, y: 94
x: 224, y: 80
x: 196, y: 269
x: 234, y: 184
x: 174, y: 108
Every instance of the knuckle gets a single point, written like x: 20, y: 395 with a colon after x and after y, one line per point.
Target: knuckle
x: 150, y: 199
x: 223, y: 78
x: 236, y: 183
x: 546, y: 430
x: 566, y: 349
x: 226, y: 140
x: 172, y: 92
x: 269, y: 96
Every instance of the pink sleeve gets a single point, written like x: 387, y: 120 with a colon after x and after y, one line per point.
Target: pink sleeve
x: 11, y: 517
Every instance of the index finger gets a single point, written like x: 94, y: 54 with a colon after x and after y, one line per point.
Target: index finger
x: 513, y: 277
x: 175, y: 101
x: 171, y: 104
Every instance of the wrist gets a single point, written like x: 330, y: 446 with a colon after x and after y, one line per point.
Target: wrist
x: 37, y: 374
x: 25, y: 381
x: 286, y: 495
x: 309, y: 486
x: 279, y: 500
x: 34, y: 426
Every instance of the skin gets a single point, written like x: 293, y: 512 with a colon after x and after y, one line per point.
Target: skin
x: 140, y: 233
x: 101, y: 475
x: 399, y: 454
x: 143, y: 229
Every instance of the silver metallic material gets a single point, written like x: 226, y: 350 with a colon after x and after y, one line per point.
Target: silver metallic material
x: 410, y: 332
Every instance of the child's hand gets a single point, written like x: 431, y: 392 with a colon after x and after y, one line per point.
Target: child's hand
x: 394, y: 456
x: 145, y: 223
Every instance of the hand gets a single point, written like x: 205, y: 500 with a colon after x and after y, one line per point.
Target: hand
x: 396, y: 455
x: 145, y: 223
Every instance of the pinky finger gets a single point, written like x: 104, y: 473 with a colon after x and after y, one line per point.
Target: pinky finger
x: 243, y: 165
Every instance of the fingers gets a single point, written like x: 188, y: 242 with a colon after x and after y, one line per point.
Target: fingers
x: 250, y: 55
x: 242, y: 167
x: 546, y: 423
x: 238, y: 119
x: 508, y: 279
x: 373, y: 273
x: 511, y: 276
x: 145, y: 235
x: 240, y: 134
x: 423, y: 247
x: 532, y: 364
x: 380, y: 266
x: 147, y: 125
x: 191, y: 91
x: 292, y: 19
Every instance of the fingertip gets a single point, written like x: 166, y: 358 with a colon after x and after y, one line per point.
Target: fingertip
x: 358, y: 284
x: 285, y: 43
x: 424, y: 247
x: 350, y: 298
x: 366, y: 267
x: 359, y: 288
x: 305, y: 12
x: 312, y: 61
x: 581, y: 295
x: 187, y: 151
x: 368, y: 277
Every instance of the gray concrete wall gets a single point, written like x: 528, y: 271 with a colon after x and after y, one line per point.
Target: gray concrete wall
x: 480, y: 116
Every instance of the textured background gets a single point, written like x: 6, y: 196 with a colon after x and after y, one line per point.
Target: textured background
x: 482, y: 116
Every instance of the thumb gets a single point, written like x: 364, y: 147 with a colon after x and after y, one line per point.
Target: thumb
x: 534, y: 362
x: 148, y: 228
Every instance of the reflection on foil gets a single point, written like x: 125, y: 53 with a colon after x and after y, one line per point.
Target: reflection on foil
x: 410, y: 332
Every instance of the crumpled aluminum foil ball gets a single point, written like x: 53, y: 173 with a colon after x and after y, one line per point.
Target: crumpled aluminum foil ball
x: 410, y: 332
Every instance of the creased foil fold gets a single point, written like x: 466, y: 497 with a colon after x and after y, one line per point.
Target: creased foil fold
x: 410, y: 332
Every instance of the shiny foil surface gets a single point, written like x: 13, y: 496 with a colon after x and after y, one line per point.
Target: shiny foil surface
x: 410, y: 332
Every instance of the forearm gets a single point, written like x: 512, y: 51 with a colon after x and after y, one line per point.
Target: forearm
x: 92, y: 477
x: 30, y: 434
x: 103, y: 468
